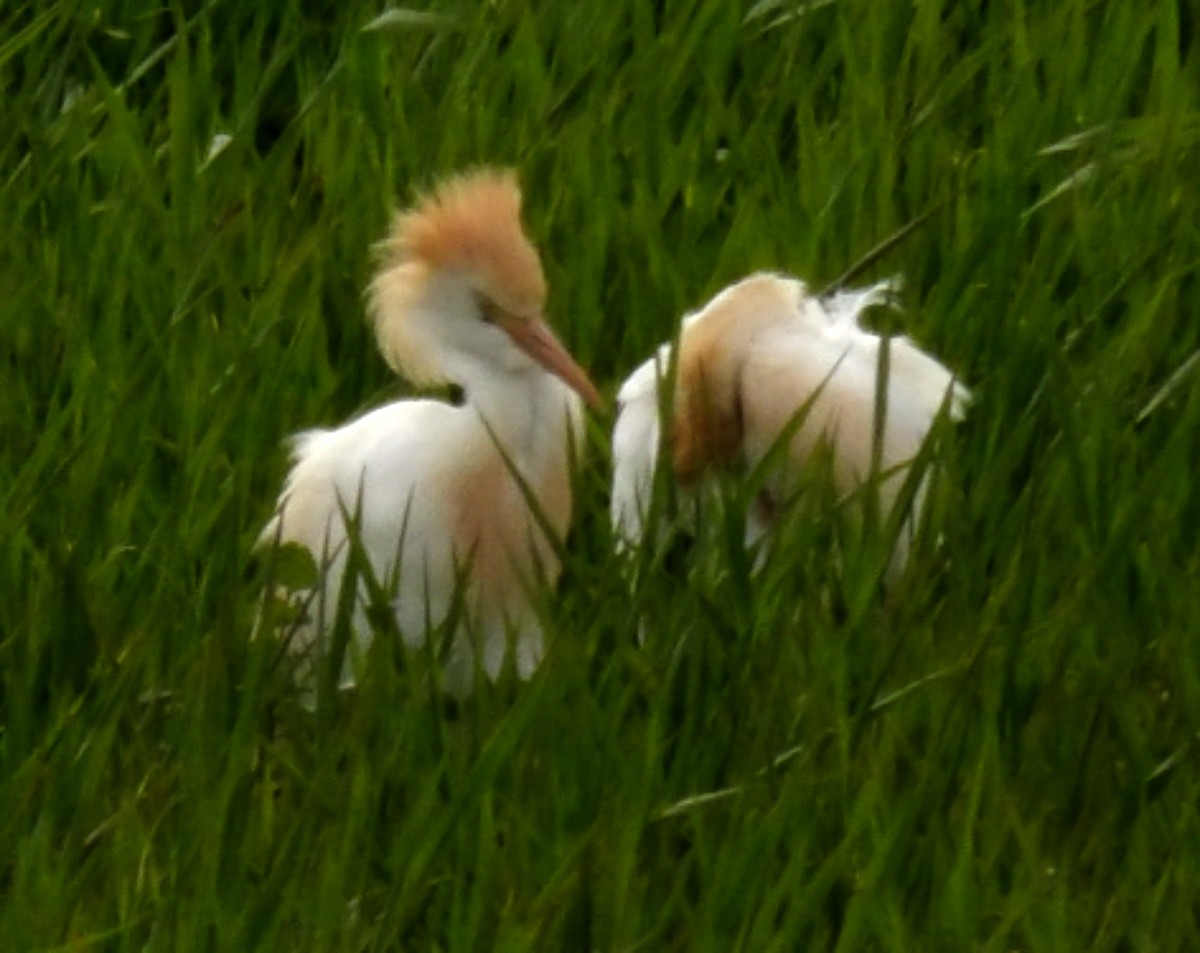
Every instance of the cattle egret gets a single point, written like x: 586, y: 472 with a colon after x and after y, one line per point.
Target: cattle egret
x: 439, y: 494
x: 764, y: 356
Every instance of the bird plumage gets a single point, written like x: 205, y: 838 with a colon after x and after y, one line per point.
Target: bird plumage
x: 765, y: 355
x: 438, y: 490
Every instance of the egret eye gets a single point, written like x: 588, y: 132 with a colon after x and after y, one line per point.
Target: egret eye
x: 489, y: 311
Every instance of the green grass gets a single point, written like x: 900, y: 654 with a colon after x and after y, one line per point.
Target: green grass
x: 1003, y: 756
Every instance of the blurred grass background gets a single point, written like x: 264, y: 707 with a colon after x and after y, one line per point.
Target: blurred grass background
x: 1004, y: 758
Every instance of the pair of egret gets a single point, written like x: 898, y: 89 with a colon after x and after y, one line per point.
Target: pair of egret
x: 439, y: 496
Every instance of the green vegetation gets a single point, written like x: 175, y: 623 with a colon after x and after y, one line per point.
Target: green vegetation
x: 1000, y: 756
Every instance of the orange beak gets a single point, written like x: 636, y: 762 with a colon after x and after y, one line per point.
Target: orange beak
x: 535, y: 338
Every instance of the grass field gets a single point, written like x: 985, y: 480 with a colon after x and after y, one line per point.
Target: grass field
x: 1001, y: 756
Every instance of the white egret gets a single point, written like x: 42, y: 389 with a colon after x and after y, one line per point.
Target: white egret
x: 441, y: 494
x: 765, y: 355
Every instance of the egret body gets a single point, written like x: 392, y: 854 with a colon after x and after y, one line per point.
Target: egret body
x: 761, y: 357
x: 435, y: 489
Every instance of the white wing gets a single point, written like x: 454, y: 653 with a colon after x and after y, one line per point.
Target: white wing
x: 372, y: 466
x: 635, y: 447
x: 921, y: 376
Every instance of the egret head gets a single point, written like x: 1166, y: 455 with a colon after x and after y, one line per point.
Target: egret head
x: 461, y: 290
